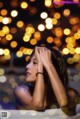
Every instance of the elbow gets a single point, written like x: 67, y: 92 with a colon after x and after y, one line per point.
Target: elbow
x: 39, y: 106
x: 63, y: 104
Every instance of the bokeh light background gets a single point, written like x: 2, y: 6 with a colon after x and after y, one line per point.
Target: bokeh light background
x: 27, y: 23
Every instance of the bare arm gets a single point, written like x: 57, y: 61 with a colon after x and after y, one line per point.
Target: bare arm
x: 56, y: 83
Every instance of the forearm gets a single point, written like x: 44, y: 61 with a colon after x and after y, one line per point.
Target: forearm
x: 38, y: 95
x: 57, y: 85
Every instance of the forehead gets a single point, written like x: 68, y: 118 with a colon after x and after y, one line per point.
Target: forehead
x: 33, y: 57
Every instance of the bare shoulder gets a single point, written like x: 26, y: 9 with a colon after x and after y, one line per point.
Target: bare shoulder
x: 21, y: 89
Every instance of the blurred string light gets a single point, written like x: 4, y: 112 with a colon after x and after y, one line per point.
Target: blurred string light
x: 50, y: 40
x: 33, y: 41
x: 6, y: 29
x: 66, y: 31
x: 66, y: 12
x: 1, y: 51
x: 57, y: 15
x: 4, y: 12
x: 14, y: 13
x: 9, y: 37
x: 41, y: 27
x: 5, y: 20
x: 43, y: 15
x: 3, y: 79
x: 13, y: 44
x: 19, y: 53
x: 37, y: 35
x: 6, y: 52
x: 24, y: 5
x: 2, y: 71
x: 48, y: 3
x: 20, y: 24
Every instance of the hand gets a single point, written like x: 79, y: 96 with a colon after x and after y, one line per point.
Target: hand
x: 45, y: 56
x: 37, y: 54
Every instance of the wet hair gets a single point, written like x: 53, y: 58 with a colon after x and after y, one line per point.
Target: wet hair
x: 60, y: 66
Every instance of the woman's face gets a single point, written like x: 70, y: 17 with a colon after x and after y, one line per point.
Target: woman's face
x: 31, y: 70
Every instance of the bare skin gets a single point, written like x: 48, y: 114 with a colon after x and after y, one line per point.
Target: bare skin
x: 37, y: 101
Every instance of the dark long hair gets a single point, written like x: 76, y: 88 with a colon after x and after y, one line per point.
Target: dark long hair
x: 60, y: 66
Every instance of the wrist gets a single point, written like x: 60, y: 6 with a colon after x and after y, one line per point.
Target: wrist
x: 40, y: 67
x: 41, y: 73
x: 48, y: 65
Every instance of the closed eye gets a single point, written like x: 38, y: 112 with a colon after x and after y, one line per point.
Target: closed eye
x: 34, y: 62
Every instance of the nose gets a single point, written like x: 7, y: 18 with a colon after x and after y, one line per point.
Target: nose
x: 28, y: 66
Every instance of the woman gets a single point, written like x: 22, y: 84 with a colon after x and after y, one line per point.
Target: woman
x: 47, y: 81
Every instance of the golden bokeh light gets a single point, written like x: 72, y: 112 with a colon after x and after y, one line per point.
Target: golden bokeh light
x: 27, y: 58
x: 57, y: 42
x: 70, y: 40
x: 26, y: 38
x: 66, y: 12
x: 57, y: 15
x: 48, y: 20
x: 49, y: 26
x: 2, y: 33
x: 13, y: 44
x: 65, y: 51
x: 48, y: 3
x: 70, y: 60
x: 6, y: 29
x: 77, y: 50
x: 1, y: 51
x: 19, y: 53
x: 58, y: 32
x: 1, y: 18
x: 2, y: 71
x: 3, y: 79
x: 6, y: 52
x: 54, y: 21
x: 27, y: 51
x: 24, y: 5
x: 9, y: 37
x: 72, y: 51
x: 74, y: 20
x: 30, y: 29
x: 14, y: 13
x: 43, y: 15
x: 7, y: 57
x: 5, y: 20
x: 70, y: 45
x: 33, y: 41
x: 4, y: 12
x: 67, y: 31
x: 77, y: 35
x: 41, y: 27
x: 50, y: 39
x: 24, y: 50
x: 76, y: 57
x: 20, y: 24
x: 37, y: 35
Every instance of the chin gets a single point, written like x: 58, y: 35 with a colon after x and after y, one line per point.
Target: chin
x: 29, y: 80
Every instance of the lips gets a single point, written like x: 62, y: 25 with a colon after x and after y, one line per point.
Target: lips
x: 28, y: 74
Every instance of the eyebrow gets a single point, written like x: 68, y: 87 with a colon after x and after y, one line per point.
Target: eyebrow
x: 34, y: 58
